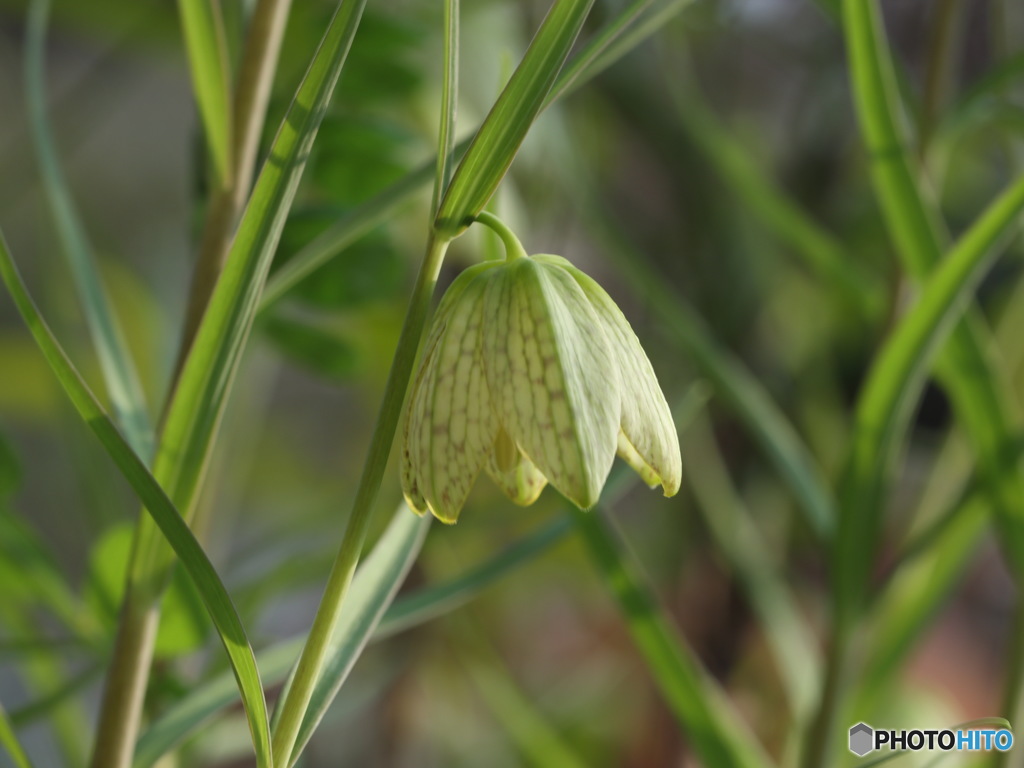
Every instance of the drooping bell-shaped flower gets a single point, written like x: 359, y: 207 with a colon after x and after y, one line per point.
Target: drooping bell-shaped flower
x: 531, y: 372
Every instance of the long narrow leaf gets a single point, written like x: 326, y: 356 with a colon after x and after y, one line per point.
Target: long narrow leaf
x: 634, y: 24
x: 170, y: 522
x: 503, y: 130
x: 822, y: 252
x: 744, y: 394
x: 432, y: 602
x: 119, y: 372
x: 744, y: 547
x: 449, y: 102
x: 206, y: 44
x: 896, y: 379
x: 615, y: 40
x: 715, y: 731
x: 201, y: 395
x: 974, y: 380
x: 373, y: 590
x: 382, y: 574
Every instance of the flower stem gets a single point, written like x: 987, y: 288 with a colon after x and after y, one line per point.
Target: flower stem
x: 126, y: 678
x: 297, y: 697
x: 513, y: 248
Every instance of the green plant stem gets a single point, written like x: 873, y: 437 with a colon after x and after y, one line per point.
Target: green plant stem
x: 513, y: 248
x: 120, y: 375
x: 449, y: 104
x: 314, y: 652
x: 717, y: 734
x: 124, y: 688
x: 255, y: 78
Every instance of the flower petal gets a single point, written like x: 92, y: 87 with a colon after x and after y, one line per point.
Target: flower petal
x: 551, y: 375
x: 450, y: 425
x: 515, y: 474
x: 646, y: 419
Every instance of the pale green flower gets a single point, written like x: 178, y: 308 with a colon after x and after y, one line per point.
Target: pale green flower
x: 531, y: 372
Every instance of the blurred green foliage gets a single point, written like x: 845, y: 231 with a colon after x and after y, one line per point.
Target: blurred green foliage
x: 724, y: 158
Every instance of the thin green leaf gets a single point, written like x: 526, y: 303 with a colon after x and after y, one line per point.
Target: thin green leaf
x: 989, y: 88
x: 883, y: 412
x: 913, y: 599
x: 614, y: 41
x: 202, y: 705
x: 382, y: 573
x: 373, y: 590
x: 10, y: 742
x: 206, y: 45
x: 163, y: 512
x: 503, y: 130
x: 449, y: 103
x: 974, y: 381
x: 539, y: 743
x: 198, y: 403
x: 822, y: 252
x: 896, y: 379
x: 715, y: 730
x: 745, y: 549
x: 432, y: 602
x: 119, y: 373
x: 732, y: 380
x: 634, y: 24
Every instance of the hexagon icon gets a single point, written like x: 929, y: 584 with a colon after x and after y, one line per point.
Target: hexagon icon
x: 861, y: 739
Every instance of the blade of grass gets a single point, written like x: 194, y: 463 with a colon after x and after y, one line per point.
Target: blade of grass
x: 10, y: 742
x: 198, y: 401
x: 119, y: 373
x: 737, y: 386
x: 163, y: 512
x: 883, y: 412
x: 260, y: 55
x: 614, y: 41
x: 822, y: 252
x: 449, y: 103
x: 381, y: 574
x: 737, y: 538
x: 716, y: 731
x: 373, y: 591
x: 205, y: 702
x: 635, y: 23
x: 973, y: 379
x: 496, y: 143
x: 538, y: 742
x: 206, y: 46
